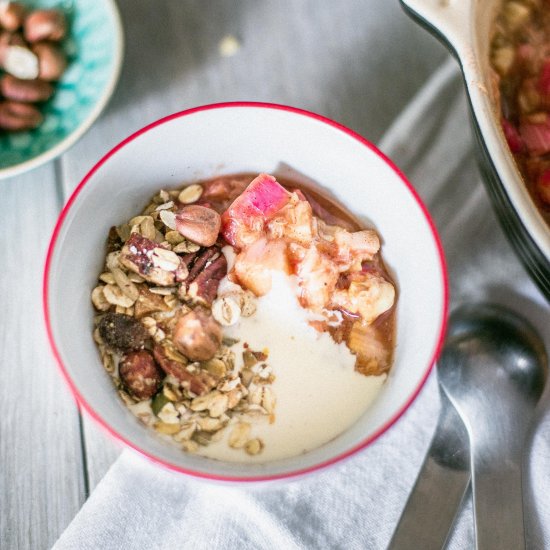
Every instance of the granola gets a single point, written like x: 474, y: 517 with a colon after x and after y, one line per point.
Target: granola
x: 159, y: 325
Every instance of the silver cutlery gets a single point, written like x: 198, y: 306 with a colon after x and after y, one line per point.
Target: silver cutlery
x: 491, y: 372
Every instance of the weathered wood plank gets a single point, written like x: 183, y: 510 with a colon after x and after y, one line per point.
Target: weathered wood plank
x: 322, y: 56
x: 41, y: 474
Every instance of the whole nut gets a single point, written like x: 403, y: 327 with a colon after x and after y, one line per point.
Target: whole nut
x: 121, y: 332
x: 19, y: 61
x: 45, y: 25
x: 51, y: 61
x: 198, y: 224
x: 140, y: 374
x: 197, y: 335
x: 18, y: 116
x: 12, y: 15
x: 26, y: 91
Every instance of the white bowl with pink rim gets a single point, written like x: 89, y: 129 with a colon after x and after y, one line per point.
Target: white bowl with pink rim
x: 238, y: 138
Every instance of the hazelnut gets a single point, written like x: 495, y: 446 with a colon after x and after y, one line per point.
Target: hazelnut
x: 26, y: 91
x: 18, y: 116
x: 11, y: 16
x: 51, y: 61
x: 140, y: 375
x: 199, y: 224
x: 122, y: 332
x: 197, y: 335
x: 45, y: 25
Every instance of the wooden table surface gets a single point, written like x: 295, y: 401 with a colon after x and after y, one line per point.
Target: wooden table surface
x: 315, y: 54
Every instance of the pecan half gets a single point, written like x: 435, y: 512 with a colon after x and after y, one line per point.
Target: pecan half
x: 205, y: 285
x: 153, y: 262
x: 206, y: 269
x: 197, y: 261
x: 199, y: 382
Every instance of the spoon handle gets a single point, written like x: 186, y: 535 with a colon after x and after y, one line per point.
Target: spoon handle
x: 440, y: 487
x: 498, y: 501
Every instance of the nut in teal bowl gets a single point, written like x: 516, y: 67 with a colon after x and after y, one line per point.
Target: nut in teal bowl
x: 94, y: 47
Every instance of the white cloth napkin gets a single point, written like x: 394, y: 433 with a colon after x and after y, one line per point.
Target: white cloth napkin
x: 357, y: 503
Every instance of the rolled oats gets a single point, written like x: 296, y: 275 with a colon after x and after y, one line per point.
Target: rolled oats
x: 116, y: 297
x: 168, y: 218
x: 165, y: 259
x: 208, y: 424
x: 190, y: 194
x: 239, y: 435
x: 226, y: 311
x: 163, y: 290
x: 218, y: 405
x: 186, y: 247
x: 128, y: 287
x: 108, y: 278
x: 186, y: 432
x: 168, y: 414
x: 165, y: 206
x: 136, y: 220
x: 174, y: 237
x: 99, y: 300
x: 147, y: 228
x: 203, y: 402
x: 135, y: 278
x: 254, y: 446
x: 167, y: 429
x: 248, y: 304
x: 112, y: 260
x: 268, y: 399
x: 190, y: 446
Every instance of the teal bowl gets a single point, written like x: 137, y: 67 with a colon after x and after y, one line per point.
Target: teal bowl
x: 94, y: 47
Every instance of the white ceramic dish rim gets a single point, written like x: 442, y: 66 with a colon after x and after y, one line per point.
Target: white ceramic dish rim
x: 84, y: 126
x: 467, y: 32
x: 252, y: 478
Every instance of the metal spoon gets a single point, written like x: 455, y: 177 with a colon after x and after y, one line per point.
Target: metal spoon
x: 440, y: 487
x: 493, y: 369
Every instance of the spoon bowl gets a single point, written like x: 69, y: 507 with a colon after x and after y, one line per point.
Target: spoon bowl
x: 516, y: 354
x: 493, y: 369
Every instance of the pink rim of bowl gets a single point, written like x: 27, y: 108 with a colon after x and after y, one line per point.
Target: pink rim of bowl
x: 83, y: 403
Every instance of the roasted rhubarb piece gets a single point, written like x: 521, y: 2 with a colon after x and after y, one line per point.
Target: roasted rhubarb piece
x: 244, y: 221
x: 276, y: 231
x: 520, y: 57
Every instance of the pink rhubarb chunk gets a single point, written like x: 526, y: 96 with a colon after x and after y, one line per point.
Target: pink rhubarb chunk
x: 536, y: 137
x: 512, y: 136
x: 544, y: 80
x: 246, y: 217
